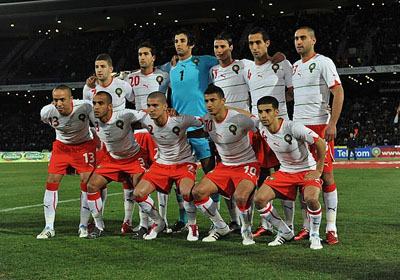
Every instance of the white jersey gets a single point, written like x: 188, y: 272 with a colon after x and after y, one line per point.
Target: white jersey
x: 116, y: 134
x: 142, y: 85
x: 120, y: 92
x: 231, y: 137
x: 290, y: 145
x: 232, y: 82
x: 311, y: 81
x: 74, y: 128
x: 173, y: 147
x: 269, y: 79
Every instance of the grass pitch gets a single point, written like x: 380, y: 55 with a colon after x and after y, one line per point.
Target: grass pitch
x: 368, y: 223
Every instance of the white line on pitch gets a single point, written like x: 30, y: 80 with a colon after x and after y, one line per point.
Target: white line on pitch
x: 39, y: 205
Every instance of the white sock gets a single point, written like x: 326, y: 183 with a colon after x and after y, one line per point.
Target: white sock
x: 96, y: 208
x: 269, y: 213
x: 209, y: 208
x: 190, y: 209
x: 85, y: 210
x: 331, y: 203
x: 50, y: 201
x: 163, y: 205
x: 128, y: 206
x: 315, y: 220
x: 246, y: 218
x: 147, y: 207
x: 232, y: 209
x: 288, y: 209
x: 144, y: 219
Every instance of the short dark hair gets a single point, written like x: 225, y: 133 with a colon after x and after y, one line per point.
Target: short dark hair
x: 260, y: 30
x: 158, y: 95
x: 268, y: 100
x: 308, y: 28
x: 224, y: 36
x: 214, y: 89
x: 109, y: 97
x: 189, y: 35
x: 148, y: 44
x: 106, y: 57
x: 63, y: 87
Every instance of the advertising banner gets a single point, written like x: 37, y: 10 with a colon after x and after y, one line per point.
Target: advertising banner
x: 370, y: 152
x: 9, y: 157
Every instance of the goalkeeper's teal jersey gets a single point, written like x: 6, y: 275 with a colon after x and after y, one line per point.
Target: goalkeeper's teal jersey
x: 189, y: 79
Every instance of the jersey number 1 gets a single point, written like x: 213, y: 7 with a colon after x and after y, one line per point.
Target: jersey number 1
x: 181, y: 75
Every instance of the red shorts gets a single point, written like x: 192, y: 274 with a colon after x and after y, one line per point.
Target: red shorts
x: 147, y: 143
x: 228, y: 177
x: 118, y: 169
x: 162, y: 175
x: 286, y: 183
x: 100, y: 153
x: 80, y: 156
x: 265, y: 156
x: 330, y: 147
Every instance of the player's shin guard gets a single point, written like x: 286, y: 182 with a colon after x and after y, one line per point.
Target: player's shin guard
x: 96, y: 208
x: 50, y: 201
x: 144, y: 220
x: 331, y: 203
x: 232, y: 209
x: 190, y: 211
x: 104, y: 194
x: 288, y: 209
x: 246, y: 213
x: 315, y: 220
x: 147, y: 206
x: 182, y: 213
x: 85, y: 210
x: 209, y: 208
x: 163, y: 205
x: 128, y: 205
x: 306, y: 222
x: 269, y: 213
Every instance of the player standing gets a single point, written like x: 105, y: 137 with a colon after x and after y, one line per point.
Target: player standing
x: 266, y: 78
x: 314, y: 78
x: 74, y: 146
x: 120, y: 91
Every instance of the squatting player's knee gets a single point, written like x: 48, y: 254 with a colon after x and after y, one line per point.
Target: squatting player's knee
x: 312, y: 203
x: 328, y: 179
x: 260, y: 200
x: 198, y: 194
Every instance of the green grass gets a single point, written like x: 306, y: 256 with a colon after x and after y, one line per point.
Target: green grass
x: 368, y: 222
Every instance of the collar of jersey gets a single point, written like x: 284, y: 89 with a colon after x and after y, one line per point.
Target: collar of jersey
x: 186, y: 60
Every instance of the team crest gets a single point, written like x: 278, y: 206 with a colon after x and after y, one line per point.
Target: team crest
x: 235, y: 68
x: 120, y: 124
x: 159, y: 79
x: 118, y: 92
x: 196, y: 61
x: 82, y: 117
x: 312, y: 67
x: 288, y: 138
x: 233, y: 129
x: 176, y: 130
x: 275, y: 67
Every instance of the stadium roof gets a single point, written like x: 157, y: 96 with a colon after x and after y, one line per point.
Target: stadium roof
x: 24, y: 18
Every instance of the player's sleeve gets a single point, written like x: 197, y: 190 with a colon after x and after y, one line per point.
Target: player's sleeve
x: 45, y: 113
x: 166, y: 67
x: 189, y: 121
x: 303, y: 133
x: 287, y: 70
x: 246, y: 123
x: 87, y: 93
x: 129, y: 92
x: 329, y: 73
x: 164, y: 85
x: 136, y: 116
x: 210, y: 60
